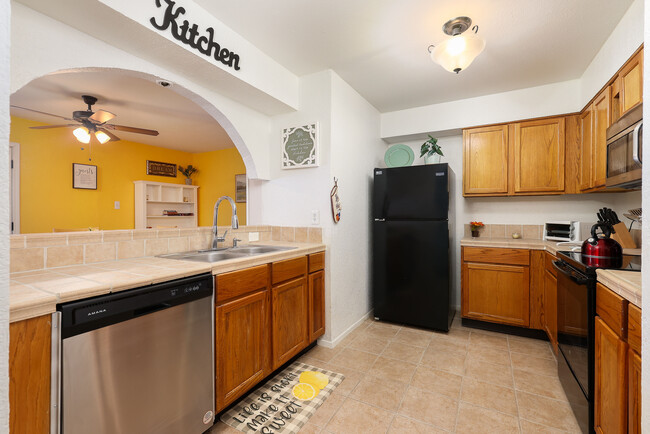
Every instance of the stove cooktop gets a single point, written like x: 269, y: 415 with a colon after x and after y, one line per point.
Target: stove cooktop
x: 575, y: 259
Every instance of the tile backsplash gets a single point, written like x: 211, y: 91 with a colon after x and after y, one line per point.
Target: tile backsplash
x: 528, y: 232
x: 39, y: 251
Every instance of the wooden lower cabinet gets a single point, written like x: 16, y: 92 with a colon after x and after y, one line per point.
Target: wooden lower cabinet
x: 242, y: 350
x: 496, y: 293
x: 550, y: 308
x: 29, y: 375
x: 316, y: 305
x: 290, y: 328
x: 634, y: 392
x: 610, y: 400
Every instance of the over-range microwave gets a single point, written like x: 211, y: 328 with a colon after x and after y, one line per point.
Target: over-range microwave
x: 625, y: 150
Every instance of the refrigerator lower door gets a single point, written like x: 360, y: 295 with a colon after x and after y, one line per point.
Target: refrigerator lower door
x: 411, y: 273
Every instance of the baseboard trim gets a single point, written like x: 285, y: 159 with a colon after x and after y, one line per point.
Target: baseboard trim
x: 502, y: 328
x: 333, y: 343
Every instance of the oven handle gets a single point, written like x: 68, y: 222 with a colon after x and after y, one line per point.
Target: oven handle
x: 635, y: 142
x: 570, y: 273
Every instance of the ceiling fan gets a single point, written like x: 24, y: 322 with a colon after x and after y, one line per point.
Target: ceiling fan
x: 91, y: 122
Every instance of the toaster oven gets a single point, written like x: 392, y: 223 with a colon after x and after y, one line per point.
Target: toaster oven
x: 566, y: 231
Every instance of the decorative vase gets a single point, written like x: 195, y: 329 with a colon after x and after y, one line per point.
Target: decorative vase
x: 188, y: 181
x: 475, y: 233
x: 432, y: 159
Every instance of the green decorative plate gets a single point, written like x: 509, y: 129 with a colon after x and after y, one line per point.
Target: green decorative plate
x: 399, y: 156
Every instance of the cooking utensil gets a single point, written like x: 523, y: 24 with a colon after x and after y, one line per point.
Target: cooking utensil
x: 603, y: 252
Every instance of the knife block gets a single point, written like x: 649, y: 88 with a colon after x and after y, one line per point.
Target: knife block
x: 623, y: 236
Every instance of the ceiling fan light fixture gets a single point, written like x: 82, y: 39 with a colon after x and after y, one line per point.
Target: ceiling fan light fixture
x: 82, y: 134
x: 102, y: 137
x: 458, y: 52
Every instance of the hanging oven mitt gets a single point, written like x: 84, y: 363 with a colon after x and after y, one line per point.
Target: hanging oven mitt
x: 336, y: 202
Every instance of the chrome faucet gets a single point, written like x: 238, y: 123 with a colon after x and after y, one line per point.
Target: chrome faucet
x: 235, y: 221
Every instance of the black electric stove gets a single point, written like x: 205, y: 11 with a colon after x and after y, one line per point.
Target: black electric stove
x: 576, y: 312
x: 629, y: 262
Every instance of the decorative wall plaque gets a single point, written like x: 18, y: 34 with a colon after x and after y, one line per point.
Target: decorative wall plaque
x: 161, y: 169
x: 84, y: 176
x: 240, y: 188
x: 300, y: 146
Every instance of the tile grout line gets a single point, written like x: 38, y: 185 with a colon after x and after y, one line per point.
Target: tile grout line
x: 514, y: 385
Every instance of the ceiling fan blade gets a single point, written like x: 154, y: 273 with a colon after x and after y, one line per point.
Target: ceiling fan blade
x: 45, y: 127
x: 113, y: 137
x: 43, y: 113
x: 131, y: 129
x: 101, y: 116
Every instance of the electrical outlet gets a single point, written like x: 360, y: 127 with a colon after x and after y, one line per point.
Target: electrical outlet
x: 315, y: 217
x: 117, y: 204
x: 253, y: 236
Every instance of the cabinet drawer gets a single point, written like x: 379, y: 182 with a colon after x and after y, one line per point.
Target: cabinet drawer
x: 237, y: 283
x: 289, y: 269
x: 612, y: 309
x: 548, y: 261
x: 491, y: 255
x: 634, y: 327
x: 316, y: 262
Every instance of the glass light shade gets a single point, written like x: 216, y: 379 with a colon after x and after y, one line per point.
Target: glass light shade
x: 102, y: 137
x: 458, y: 52
x: 82, y: 134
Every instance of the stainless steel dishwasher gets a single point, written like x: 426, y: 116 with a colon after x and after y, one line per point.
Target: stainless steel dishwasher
x: 139, y: 361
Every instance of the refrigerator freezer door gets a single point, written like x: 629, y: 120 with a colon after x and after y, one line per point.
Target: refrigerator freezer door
x: 411, y: 273
x: 411, y: 193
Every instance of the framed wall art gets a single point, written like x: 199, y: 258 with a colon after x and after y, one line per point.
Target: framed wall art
x: 240, y: 188
x: 161, y: 169
x: 84, y: 176
x: 300, y: 146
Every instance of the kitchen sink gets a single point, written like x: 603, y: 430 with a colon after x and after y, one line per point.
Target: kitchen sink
x: 224, y: 254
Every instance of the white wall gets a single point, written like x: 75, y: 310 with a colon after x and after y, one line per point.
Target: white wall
x: 4, y: 217
x: 356, y: 150
x: 516, y: 210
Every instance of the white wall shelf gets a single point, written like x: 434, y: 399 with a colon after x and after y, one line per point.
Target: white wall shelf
x: 153, y: 198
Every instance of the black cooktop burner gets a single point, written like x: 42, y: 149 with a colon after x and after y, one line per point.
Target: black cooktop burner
x: 575, y: 259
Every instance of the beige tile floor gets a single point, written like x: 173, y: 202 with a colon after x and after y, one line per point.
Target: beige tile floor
x: 406, y: 380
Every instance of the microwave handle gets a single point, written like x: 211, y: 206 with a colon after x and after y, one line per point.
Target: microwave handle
x: 635, y: 142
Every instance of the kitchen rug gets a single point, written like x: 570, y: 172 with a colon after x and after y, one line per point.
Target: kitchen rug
x: 285, y: 402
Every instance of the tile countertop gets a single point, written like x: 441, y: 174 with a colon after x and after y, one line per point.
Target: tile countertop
x: 36, y: 293
x: 627, y: 284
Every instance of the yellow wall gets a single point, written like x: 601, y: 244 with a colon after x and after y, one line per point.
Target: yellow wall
x: 219, y: 180
x: 47, y: 199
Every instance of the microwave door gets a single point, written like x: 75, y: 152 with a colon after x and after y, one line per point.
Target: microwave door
x: 624, y: 154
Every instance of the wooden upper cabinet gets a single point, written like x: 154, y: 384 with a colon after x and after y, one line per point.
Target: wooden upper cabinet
x: 610, y: 400
x: 631, y: 83
x: 602, y: 120
x: 242, y: 350
x: 585, y: 176
x: 485, y: 161
x: 29, y: 375
x: 538, y: 156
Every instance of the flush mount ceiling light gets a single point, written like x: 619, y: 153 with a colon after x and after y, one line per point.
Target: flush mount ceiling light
x: 459, y: 51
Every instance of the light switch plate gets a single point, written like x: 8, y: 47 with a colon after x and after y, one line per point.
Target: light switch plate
x: 253, y: 236
x: 117, y: 204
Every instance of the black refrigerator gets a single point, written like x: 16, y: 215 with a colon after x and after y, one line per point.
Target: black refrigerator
x: 410, y: 253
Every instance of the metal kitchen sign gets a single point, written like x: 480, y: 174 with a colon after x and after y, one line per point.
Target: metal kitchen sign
x: 189, y: 34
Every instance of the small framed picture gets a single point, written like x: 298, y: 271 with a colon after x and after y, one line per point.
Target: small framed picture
x: 300, y: 146
x: 240, y: 188
x: 84, y: 176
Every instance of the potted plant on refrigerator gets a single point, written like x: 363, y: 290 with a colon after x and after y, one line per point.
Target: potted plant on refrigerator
x: 431, y: 151
x: 188, y: 172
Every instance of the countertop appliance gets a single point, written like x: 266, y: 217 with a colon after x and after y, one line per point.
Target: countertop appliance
x: 625, y: 150
x: 576, y: 311
x: 139, y: 361
x: 566, y: 231
x: 410, y: 256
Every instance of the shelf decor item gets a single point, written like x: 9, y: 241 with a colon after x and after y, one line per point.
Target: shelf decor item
x: 475, y: 226
x: 84, y: 176
x: 399, y: 156
x: 431, y: 151
x: 300, y: 146
x: 188, y: 172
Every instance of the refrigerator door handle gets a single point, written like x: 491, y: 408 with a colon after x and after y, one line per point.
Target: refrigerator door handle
x: 380, y: 220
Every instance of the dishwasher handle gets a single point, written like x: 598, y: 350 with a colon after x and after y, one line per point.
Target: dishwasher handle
x: 572, y: 274
x: 150, y: 309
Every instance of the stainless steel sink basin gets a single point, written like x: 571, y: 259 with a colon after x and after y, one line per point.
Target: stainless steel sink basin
x: 258, y: 250
x: 224, y: 254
